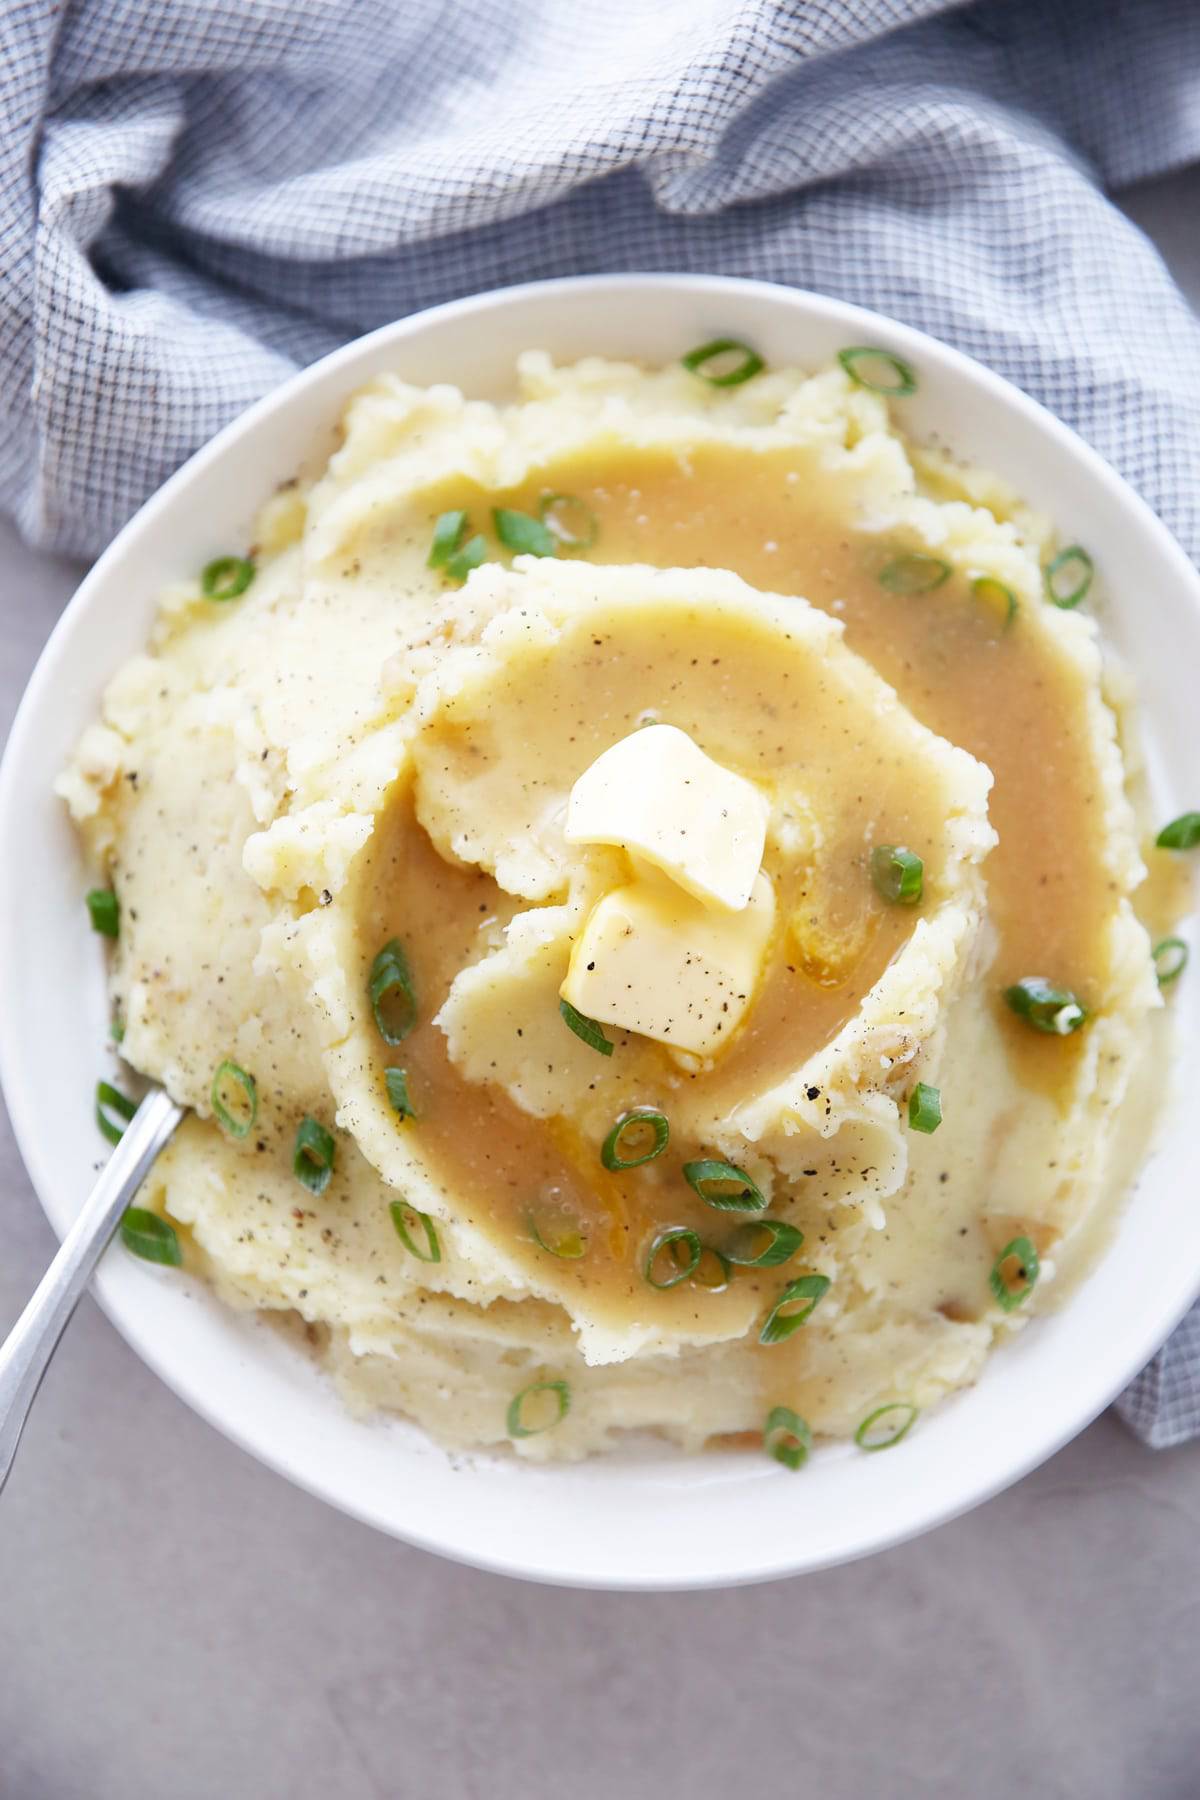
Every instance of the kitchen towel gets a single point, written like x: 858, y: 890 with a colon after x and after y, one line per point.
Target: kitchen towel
x: 197, y: 196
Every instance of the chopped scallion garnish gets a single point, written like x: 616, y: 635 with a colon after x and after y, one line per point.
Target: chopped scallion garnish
x: 780, y: 1242
x: 522, y: 1419
x: 401, y: 1214
x: 714, y: 1270
x: 313, y: 1157
x: 152, y: 1238
x: 104, y: 912
x: 781, y: 1323
x: 396, y: 1082
x: 879, y: 370
x: 1068, y: 577
x: 898, y: 874
x: 473, y: 552
x: 724, y: 1185
x: 523, y: 534
x: 1055, y: 1010
x: 914, y: 573
x: 725, y: 362
x: 1014, y: 1273
x: 1182, y: 833
x: 678, y: 1247
x: 113, y: 1106
x: 786, y: 1437
x: 569, y: 521
x: 900, y: 1417
x: 1170, y: 960
x: 564, y: 1238
x: 226, y: 577
x: 994, y: 595
x: 644, y: 1131
x: 239, y: 1123
x: 390, y: 988
x: 925, y: 1107
x: 585, y: 1028
x: 448, y: 534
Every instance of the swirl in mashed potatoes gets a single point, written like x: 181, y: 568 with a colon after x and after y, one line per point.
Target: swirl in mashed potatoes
x: 467, y: 864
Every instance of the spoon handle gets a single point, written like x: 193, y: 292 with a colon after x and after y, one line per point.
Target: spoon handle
x: 26, y: 1353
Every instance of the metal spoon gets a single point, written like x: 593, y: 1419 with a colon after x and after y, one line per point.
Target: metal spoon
x: 25, y: 1354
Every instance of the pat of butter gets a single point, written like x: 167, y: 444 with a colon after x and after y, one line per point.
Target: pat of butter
x: 653, y: 960
x: 657, y: 793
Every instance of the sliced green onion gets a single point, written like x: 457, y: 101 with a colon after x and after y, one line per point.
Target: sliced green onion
x: 1012, y: 1286
x: 1069, y: 576
x: 994, y: 594
x: 396, y: 1082
x: 1182, y: 833
x: 1047, y: 1008
x: 898, y: 874
x: 715, y: 1279
x: 569, y: 1243
x: 448, y: 534
x: 116, y: 1031
x: 237, y: 1126
x: 1170, y: 960
x: 312, y: 1159
x: 723, y: 373
x: 226, y: 577
x: 111, y: 1101
x: 638, y: 1121
x: 670, y: 1241
x: 401, y: 1213
x: 712, y: 1180
x: 569, y: 521
x: 914, y: 573
x: 473, y: 552
x: 517, y: 1415
x: 879, y: 370
x: 925, y: 1107
x: 585, y: 1028
x: 779, y: 1324
x: 390, y: 988
x: 521, y: 533
x: 104, y: 912
x: 782, y: 1242
x: 902, y: 1417
x: 786, y: 1437
x: 151, y: 1238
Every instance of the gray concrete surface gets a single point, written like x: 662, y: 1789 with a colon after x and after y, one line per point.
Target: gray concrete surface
x: 178, y: 1624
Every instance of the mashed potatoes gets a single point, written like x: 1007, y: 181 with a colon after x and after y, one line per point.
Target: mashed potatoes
x: 628, y: 902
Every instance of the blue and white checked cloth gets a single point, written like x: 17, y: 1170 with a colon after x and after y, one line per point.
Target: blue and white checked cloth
x: 196, y: 196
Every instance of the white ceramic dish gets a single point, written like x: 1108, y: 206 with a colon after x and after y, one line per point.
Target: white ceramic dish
x: 648, y: 1518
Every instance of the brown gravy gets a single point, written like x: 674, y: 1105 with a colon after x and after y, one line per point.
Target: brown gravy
x: 1004, y: 695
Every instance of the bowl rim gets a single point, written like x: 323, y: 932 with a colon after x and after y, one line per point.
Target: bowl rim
x: 38, y: 695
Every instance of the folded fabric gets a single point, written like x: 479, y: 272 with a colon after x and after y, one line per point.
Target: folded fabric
x: 195, y: 198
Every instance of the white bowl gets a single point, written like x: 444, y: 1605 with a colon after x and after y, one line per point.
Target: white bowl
x: 648, y: 1518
